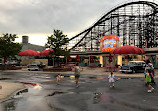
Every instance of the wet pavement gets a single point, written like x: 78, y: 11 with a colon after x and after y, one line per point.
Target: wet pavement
x: 93, y: 93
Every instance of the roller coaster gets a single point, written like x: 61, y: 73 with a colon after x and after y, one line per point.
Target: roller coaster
x: 135, y: 23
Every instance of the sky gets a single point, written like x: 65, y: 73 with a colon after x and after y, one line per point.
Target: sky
x: 38, y: 18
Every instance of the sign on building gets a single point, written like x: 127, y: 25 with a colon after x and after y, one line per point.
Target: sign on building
x: 109, y: 42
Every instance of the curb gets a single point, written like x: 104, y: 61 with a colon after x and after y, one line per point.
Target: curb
x: 11, y: 96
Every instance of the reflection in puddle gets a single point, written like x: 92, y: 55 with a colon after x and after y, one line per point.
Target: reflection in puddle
x: 23, y: 101
x: 66, y: 75
x: 100, y: 97
x: 4, y: 78
x: 105, y: 98
x: 102, y: 78
x: 55, y: 93
x: 37, y: 87
x: 118, y: 78
x: 127, y: 78
x: 72, y: 77
x: 92, y: 78
x: 28, y: 83
x: 135, y: 106
x: 62, y: 76
x: 47, y: 77
x: 9, y: 106
x: 23, y: 91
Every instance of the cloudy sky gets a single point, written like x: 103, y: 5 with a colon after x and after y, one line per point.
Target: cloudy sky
x: 38, y: 18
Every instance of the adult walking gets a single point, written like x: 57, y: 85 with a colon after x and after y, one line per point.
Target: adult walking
x: 149, y: 66
x: 77, y: 74
x: 148, y: 77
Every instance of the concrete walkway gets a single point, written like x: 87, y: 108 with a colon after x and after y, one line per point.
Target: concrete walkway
x: 8, y: 89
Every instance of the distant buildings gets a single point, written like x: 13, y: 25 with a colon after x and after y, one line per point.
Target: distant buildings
x: 26, y: 45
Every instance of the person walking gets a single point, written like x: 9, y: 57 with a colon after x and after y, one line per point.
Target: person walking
x: 111, y: 78
x: 148, y: 77
x: 149, y: 66
x: 77, y: 75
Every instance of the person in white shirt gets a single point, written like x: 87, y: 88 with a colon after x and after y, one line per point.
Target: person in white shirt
x: 111, y: 80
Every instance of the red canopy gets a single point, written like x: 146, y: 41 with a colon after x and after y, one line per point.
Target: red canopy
x: 91, y: 58
x: 77, y: 58
x: 28, y: 52
x: 46, y: 52
x: 142, y: 51
x: 127, y: 49
x: 110, y: 58
x: 69, y: 59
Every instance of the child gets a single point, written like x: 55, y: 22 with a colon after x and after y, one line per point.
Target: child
x: 148, y: 77
x: 58, y: 78
x: 111, y: 80
x: 77, y: 75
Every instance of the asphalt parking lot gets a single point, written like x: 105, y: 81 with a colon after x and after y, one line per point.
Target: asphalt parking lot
x: 93, y: 93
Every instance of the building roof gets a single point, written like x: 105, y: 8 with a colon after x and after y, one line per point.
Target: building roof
x: 26, y: 46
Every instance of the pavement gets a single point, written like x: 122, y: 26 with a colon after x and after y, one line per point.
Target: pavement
x: 9, y: 89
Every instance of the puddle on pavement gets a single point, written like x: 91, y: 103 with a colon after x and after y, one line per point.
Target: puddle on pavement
x: 92, y: 77
x: 31, y: 88
x: 126, y: 78
x: 37, y: 87
x: 43, y: 77
x: 56, y: 93
x: 22, y: 91
x: 4, y: 78
x: 133, y: 106
x: 100, y: 97
x: 66, y: 75
x: 63, y: 76
x: 102, y: 78
x: 106, y: 98
x: 116, y: 78
x: 25, y: 100
x: 72, y: 76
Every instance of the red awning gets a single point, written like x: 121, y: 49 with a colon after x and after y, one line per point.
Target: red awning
x: 69, y: 59
x: 29, y: 52
x: 46, y: 52
x: 77, y: 58
x: 127, y: 49
x: 91, y: 58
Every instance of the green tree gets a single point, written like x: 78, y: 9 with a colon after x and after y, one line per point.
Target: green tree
x: 58, y: 41
x: 8, y: 48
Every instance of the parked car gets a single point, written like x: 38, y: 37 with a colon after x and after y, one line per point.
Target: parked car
x: 13, y: 62
x: 39, y: 64
x: 33, y: 67
x: 133, y: 66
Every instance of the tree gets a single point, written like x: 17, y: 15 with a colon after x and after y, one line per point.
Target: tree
x: 58, y: 41
x: 8, y: 48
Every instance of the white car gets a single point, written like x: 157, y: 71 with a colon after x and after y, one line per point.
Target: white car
x: 33, y: 67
